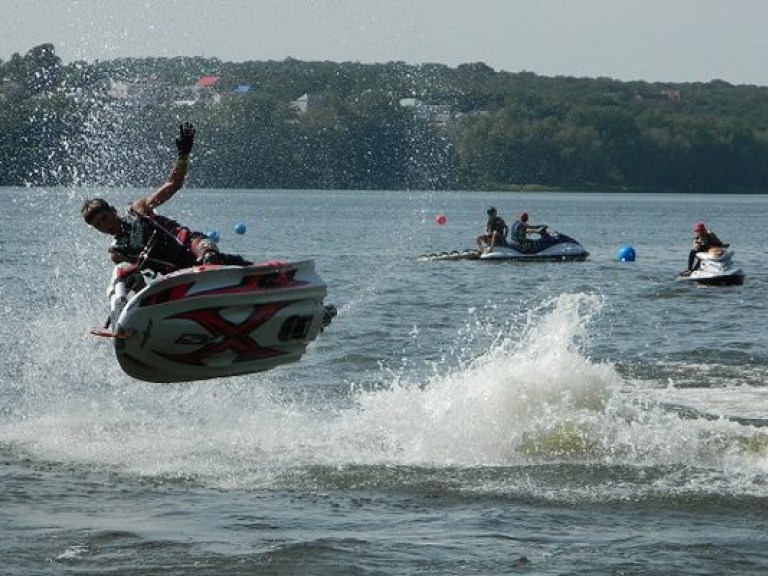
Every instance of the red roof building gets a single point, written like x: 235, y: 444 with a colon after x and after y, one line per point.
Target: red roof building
x: 207, y: 81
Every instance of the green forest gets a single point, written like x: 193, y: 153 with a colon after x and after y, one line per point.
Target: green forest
x: 318, y: 125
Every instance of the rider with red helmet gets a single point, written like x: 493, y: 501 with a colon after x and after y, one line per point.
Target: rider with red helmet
x: 703, y: 240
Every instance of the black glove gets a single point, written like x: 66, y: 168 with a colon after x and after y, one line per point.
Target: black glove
x: 186, y: 138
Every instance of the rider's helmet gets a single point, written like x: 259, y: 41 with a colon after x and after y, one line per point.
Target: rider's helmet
x: 491, y: 211
x: 523, y: 216
x: 699, y: 227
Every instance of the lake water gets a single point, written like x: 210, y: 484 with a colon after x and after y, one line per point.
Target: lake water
x: 456, y: 418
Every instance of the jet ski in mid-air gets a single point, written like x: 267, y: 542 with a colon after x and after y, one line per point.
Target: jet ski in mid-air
x: 214, y: 321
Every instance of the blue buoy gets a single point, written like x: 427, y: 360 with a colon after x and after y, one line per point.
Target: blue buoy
x: 213, y: 235
x: 626, y: 254
x: 240, y: 228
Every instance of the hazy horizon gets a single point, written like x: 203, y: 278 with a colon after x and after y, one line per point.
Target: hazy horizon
x: 654, y: 40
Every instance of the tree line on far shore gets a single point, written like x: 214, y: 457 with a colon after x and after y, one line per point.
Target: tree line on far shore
x: 374, y: 126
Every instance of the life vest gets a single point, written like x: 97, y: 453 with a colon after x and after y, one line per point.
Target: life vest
x: 519, y: 231
x: 169, y: 242
x: 706, y: 240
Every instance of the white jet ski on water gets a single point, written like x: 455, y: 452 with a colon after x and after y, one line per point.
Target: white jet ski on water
x: 716, y: 268
x: 554, y: 247
x: 213, y: 321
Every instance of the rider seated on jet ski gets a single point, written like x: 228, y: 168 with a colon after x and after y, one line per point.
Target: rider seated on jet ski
x: 520, y: 230
x: 154, y: 241
x: 703, y: 240
x: 495, y: 232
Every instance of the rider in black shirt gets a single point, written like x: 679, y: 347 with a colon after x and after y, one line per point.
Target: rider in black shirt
x: 495, y: 232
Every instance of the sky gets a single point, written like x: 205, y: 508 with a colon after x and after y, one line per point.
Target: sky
x: 651, y: 40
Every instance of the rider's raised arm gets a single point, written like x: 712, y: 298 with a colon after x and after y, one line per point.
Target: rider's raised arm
x: 175, y: 180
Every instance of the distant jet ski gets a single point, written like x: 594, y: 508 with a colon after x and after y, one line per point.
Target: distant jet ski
x: 214, y: 321
x: 716, y: 268
x: 554, y: 247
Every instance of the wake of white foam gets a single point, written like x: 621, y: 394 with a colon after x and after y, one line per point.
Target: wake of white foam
x: 533, y: 396
x: 486, y: 412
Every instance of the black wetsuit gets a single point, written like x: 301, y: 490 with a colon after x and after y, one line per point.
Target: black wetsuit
x: 169, y: 242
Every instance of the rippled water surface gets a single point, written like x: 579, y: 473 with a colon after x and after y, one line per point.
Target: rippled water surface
x: 456, y: 418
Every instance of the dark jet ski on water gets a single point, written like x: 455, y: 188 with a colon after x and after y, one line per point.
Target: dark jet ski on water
x: 554, y: 247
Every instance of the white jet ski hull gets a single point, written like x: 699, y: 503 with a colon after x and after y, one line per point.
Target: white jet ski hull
x: 715, y: 269
x: 216, y: 321
x: 732, y: 278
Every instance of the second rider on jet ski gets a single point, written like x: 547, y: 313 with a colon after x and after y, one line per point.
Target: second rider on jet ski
x: 520, y: 230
